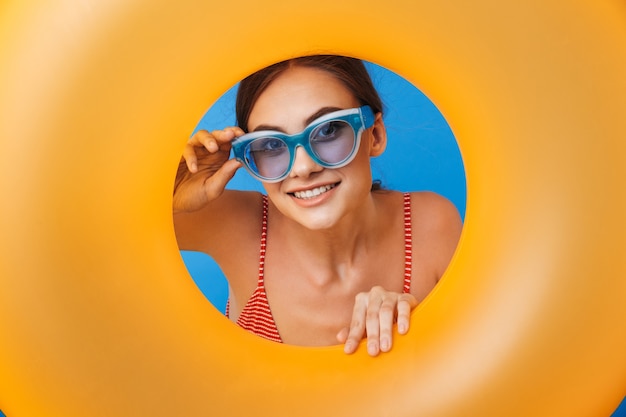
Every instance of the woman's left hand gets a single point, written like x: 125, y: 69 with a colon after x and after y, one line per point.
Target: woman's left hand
x: 374, y: 315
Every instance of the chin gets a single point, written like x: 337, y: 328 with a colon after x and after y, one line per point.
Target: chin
x: 319, y: 224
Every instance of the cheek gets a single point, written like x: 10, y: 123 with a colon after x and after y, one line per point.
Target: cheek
x: 358, y: 176
x: 361, y: 168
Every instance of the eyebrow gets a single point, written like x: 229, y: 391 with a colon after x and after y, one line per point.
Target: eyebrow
x: 308, y: 121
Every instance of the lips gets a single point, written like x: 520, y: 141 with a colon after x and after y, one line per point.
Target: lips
x: 313, y: 192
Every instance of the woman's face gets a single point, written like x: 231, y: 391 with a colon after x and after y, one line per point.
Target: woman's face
x: 289, y: 104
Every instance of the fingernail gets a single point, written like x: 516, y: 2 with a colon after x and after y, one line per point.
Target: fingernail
x: 402, y: 328
x: 349, y: 347
x: 372, y: 348
x: 384, y: 345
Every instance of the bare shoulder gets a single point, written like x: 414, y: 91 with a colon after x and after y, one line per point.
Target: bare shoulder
x: 229, y: 230
x: 436, y: 228
x: 435, y: 207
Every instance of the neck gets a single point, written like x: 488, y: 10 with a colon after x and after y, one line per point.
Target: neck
x: 332, y: 255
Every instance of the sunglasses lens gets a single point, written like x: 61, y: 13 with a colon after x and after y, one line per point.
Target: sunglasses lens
x: 333, y: 141
x: 268, y: 156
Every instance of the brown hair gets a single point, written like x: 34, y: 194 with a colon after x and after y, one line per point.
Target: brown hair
x: 350, y: 71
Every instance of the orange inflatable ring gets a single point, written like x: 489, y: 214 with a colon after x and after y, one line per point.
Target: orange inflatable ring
x: 99, y: 316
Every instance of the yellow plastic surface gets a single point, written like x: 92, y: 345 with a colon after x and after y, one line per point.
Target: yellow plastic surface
x: 98, y: 315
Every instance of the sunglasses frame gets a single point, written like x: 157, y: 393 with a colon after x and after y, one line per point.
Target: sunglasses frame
x: 359, y: 118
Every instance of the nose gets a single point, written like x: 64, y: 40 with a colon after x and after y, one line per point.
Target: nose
x: 303, y: 165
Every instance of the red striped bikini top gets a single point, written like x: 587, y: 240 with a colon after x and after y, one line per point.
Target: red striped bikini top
x: 256, y: 316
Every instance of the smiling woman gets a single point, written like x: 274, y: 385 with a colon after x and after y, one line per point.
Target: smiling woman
x: 319, y: 237
x: 100, y: 316
x: 421, y: 154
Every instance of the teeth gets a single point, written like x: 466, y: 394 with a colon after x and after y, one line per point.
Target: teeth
x: 313, y: 192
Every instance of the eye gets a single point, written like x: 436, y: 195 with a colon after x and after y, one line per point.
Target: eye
x: 267, y: 145
x: 328, y: 131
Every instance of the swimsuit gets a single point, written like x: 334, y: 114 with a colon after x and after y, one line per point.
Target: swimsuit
x: 256, y: 316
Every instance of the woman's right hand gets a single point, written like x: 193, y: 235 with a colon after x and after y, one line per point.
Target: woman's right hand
x: 205, y: 169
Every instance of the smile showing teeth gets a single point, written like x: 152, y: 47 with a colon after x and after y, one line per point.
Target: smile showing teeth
x: 313, y: 192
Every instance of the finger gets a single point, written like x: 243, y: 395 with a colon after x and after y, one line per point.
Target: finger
x: 386, y: 318
x: 342, y: 336
x: 406, y: 303
x: 205, y: 139
x: 221, y: 139
x: 213, y: 142
x: 357, y: 325
x: 189, y: 155
x: 372, y: 323
x: 200, y: 139
x: 228, y: 134
x: 217, y: 182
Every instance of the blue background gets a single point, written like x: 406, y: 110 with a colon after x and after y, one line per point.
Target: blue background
x: 421, y: 154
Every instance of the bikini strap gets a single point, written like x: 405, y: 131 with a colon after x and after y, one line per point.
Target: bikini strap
x: 408, y: 244
x: 261, y: 280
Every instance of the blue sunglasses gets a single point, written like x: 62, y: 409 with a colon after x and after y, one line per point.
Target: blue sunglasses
x: 331, y: 141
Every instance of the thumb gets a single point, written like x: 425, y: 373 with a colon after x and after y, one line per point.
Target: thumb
x: 215, y: 184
